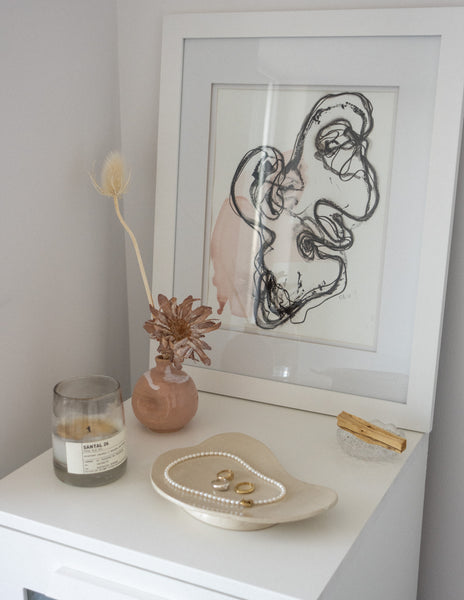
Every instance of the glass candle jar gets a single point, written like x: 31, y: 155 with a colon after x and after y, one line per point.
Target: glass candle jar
x: 89, y: 434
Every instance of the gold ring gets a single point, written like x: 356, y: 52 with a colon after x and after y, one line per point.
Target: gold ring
x: 225, y: 474
x: 244, y: 487
x: 246, y: 503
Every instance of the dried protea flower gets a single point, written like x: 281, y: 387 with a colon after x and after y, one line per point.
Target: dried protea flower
x: 180, y: 329
x: 114, y: 183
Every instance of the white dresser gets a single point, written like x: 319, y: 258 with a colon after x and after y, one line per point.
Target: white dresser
x: 125, y: 541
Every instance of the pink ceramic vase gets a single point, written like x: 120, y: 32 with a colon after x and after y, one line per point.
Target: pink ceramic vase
x: 165, y: 398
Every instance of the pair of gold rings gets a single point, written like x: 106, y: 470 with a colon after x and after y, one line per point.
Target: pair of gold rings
x: 223, y: 479
x: 222, y: 485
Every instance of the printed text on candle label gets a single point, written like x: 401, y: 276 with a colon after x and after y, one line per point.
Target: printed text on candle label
x: 97, y: 456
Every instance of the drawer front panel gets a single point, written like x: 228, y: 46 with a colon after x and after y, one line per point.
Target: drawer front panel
x: 64, y: 573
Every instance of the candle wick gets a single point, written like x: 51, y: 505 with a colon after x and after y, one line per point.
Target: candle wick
x: 88, y: 428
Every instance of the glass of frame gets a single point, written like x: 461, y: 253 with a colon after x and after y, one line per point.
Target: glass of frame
x: 305, y: 187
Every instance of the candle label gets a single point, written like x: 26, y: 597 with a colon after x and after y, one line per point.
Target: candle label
x: 96, y: 456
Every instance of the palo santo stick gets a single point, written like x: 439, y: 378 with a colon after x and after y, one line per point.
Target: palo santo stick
x: 371, y: 433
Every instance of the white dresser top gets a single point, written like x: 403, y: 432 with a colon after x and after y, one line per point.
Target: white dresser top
x: 129, y: 522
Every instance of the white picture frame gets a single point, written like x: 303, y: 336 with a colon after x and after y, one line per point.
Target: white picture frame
x: 429, y: 183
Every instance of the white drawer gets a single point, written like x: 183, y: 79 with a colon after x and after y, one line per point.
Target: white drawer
x: 64, y: 573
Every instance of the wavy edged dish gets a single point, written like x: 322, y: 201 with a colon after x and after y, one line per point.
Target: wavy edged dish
x: 302, y: 500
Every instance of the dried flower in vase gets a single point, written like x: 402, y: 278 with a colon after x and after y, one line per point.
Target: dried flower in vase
x: 180, y: 329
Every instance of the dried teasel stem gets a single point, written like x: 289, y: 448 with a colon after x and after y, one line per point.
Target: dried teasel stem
x: 113, y: 184
x: 137, y: 251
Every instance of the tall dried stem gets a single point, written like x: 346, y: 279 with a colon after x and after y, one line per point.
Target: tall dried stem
x: 113, y: 185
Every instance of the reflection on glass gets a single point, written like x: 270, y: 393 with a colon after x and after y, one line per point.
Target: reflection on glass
x: 30, y: 595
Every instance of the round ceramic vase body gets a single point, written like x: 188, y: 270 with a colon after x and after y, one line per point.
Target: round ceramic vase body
x: 164, y: 398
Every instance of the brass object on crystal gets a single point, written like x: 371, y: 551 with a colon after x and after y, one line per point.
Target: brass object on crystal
x: 372, y: 434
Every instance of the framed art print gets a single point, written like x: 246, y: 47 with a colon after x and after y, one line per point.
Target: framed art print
x: 306, y: 177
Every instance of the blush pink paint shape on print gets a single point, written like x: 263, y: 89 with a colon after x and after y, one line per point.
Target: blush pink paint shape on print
x: 233, y: 248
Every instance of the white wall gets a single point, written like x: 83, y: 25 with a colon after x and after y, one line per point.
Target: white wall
x: 63, y: 306
x: 441, y: 575
x: 62, y: 265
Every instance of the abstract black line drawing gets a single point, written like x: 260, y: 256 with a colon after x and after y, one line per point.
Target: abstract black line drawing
x: 303, y: 207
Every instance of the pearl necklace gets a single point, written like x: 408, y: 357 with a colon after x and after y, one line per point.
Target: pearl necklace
x: 224, y: 500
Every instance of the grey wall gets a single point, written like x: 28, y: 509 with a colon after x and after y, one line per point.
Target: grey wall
x: 63, y: 305
x: 441, y: 574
